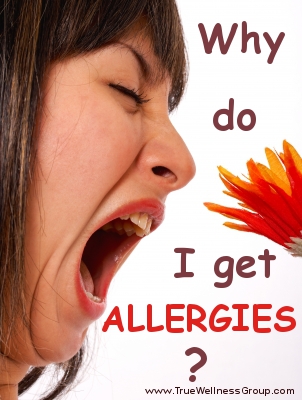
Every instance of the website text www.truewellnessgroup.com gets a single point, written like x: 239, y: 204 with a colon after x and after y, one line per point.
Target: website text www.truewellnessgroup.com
x: 214, y: 390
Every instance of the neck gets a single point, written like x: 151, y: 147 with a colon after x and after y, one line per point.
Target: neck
x: 11, y: 373
x: 8, y: 392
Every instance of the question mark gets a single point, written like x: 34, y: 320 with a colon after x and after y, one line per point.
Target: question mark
x: 201, y: 362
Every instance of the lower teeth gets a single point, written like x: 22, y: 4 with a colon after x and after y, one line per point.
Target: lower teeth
x: 96, y: 299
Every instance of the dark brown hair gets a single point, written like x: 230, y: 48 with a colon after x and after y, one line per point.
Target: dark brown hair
x: 33, y: 34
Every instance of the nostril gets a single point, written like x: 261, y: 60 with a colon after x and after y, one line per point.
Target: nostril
x: 163, y: 172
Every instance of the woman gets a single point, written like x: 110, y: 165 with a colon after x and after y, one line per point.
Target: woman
x: 88, y: 158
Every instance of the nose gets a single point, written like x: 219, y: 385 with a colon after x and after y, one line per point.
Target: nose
x: 165, y: 159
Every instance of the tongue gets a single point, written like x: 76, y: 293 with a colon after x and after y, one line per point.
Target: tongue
x: 86, y: 278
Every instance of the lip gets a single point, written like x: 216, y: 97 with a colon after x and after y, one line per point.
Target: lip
x: 155, y: 209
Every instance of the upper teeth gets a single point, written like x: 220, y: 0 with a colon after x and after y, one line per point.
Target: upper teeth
x: 138, y: 223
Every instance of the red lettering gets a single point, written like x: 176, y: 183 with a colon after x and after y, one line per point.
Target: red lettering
x: 132, y: 328
x: 117, y: 321
x: 240, y: 308
x: 225, y: 320
x: 151, y: 328
x: 285, y: 318
x: 170, y: 318
x: 195, y: 321
x: 257, y: 318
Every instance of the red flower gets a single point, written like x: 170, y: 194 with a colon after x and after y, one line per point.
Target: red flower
x: 271, y: 198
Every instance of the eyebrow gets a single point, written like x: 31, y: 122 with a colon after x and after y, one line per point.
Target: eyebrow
x: 145, y: 67
x: 149, y: 73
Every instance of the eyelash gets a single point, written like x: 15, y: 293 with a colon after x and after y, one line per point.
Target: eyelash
x: 139, y: 98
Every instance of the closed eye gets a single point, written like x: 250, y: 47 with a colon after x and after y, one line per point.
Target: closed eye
x: 139, y: 98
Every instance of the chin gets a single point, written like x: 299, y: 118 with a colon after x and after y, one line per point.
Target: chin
x: 62, y: 348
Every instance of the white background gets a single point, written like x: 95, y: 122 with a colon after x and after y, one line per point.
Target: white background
x: 125, y: 364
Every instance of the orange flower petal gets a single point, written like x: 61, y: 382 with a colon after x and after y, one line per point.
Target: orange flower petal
x: 271, y: 198
x: 276, y: 166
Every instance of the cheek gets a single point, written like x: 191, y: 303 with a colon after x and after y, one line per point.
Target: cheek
x: 85, y: 150
x: 89, y: 137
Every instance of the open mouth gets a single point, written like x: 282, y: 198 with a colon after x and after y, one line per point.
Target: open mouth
x: 108, y: 248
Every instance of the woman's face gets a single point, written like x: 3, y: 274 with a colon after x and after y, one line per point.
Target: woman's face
x: 102, y: 134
